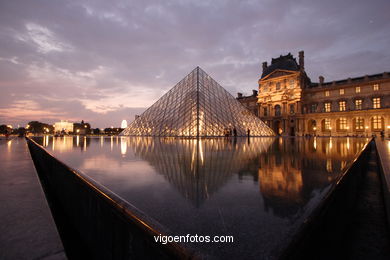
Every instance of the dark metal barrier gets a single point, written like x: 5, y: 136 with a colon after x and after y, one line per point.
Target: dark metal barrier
x: 384, y: 178
x: 95, y: 223
x: 322, y: 232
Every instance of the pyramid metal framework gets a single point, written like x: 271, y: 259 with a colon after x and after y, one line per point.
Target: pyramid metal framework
x: 197, y: 106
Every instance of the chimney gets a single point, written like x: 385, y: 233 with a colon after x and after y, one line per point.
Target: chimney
x: 239, y: 95
x: 264, y: 65
x: 321, y: 80
x: 254, y: 92
x: 366, y: 77
x: 302, y: 60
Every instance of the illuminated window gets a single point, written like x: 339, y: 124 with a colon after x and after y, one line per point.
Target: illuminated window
x: 341, y: 91
x: 376, y: 102
x: 342, y: 106
x: 278, y: 86
x: 359, y: 123
x: 326, y: 124
x: 327, y: 93
x: 377, y: 123
x: 358, y: 104
x: 343, y: 123
x: 327, y: 107
x: 357, y: 90
x: 375, y: 87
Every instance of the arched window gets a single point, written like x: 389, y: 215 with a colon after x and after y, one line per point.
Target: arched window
x: 358, y: 123
x: 341, y: 124
x: 377, y: 123
x: 325, y: 124
x: 278, y: 111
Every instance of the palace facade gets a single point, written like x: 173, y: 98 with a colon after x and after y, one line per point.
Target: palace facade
x: 291, y: 104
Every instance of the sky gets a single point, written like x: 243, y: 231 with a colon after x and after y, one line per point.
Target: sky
x: 105, y: 61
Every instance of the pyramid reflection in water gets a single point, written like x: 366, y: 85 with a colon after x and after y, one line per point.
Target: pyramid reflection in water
x: 197, y: 107
x: 197, y: 168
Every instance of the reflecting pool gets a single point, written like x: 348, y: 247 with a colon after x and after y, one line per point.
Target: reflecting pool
x: 259, y: 190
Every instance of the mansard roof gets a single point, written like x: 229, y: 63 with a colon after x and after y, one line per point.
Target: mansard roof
x: 286, y: 62
x: 355, y: 80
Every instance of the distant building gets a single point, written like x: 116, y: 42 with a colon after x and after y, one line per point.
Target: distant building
x: 124, y: 123
x: 63, y: 126
x: 291, y: 104
x: 81, y: 128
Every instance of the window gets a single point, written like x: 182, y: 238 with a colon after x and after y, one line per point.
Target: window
x: 313, y: 108
x: 277, y: 110
x: 341, y: 91
x: 376, y: 102
x: 265, y: 110
x: 343, y: 123
x: 292, y: 109
x: 377, y: 123
x: 278, y: 86
x: 327, y: 124
x: 327, y: 93
x: 357, y: 90
x: 359, y: 123
x: 342, y: 106
x: 358, y: 104
x: 327, y: 107
x: 376, y: 87
x: 292, y: 82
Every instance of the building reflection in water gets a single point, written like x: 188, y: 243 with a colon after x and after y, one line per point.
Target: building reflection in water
x: 288, y: 171
x: 65, y: 143
x: 292, y: 170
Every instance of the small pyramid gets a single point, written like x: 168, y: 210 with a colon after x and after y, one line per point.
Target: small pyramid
x: 197, y: 106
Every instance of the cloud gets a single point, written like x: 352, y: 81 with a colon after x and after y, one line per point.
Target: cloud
x: 44, y: 39
x: 98, y: 60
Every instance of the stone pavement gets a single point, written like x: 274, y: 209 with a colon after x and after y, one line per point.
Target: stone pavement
x: 27, y: 229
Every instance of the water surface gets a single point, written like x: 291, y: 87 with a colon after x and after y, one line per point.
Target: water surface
x: 259, y: 190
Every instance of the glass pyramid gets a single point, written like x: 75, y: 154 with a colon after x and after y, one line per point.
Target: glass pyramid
x: 197, y: 106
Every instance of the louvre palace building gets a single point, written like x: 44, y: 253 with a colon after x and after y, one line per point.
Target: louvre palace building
x: 292, y: 105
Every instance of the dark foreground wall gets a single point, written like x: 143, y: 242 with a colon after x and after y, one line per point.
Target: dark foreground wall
x: 322, y: 235
x: 93, y: 222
